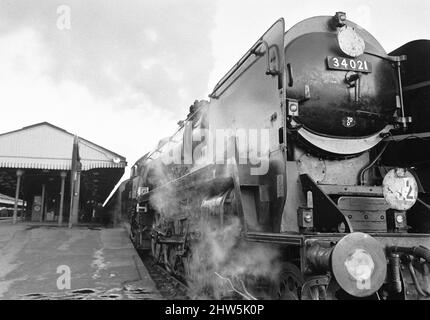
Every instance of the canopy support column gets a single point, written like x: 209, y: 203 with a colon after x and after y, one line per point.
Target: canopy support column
x: 63, y: 182
x: 18, y: 185
x: 74, y: 201
x: 43, y: 202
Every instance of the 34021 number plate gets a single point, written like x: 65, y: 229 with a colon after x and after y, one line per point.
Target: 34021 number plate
x: 359, y: 65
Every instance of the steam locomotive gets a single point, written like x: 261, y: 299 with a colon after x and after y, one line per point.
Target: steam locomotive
x: 316, y: 142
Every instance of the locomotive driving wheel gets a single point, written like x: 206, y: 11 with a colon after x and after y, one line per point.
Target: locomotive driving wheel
x: 134, y: 229
x: 133, y: 235
x: 155, y: 245
x: 171, y: 258
x: 258, y: 286
x: 155, y: 248
x: 290, y: 283
x: 186, y: 268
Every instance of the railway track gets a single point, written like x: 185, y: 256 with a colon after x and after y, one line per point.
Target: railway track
x: 168, y: 286
x: 172, y: 288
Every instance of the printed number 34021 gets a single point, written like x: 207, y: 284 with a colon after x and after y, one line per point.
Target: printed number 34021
x: 338, y: 63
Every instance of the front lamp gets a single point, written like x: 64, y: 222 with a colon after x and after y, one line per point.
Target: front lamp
x: 400, y: 189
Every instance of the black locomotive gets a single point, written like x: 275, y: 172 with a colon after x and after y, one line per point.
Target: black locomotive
x: 313, y: 148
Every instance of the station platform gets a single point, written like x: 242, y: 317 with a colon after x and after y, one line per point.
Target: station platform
x: 102, y: 262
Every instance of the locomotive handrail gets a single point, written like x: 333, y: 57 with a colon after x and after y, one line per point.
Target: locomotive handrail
x: 400, y: 58
x: 404, y: 120
x: 269, y: 71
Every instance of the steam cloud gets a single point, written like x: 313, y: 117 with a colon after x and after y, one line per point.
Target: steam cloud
x: 220, y: 261
x: 217, y: 255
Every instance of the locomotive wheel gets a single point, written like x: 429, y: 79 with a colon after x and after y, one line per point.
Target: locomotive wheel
x: 290, y: 283
x: 133, y: 236
x: 155, y: 246
x: 134, y: 233
x: 186, y: 266
x: 155, y: 249
x: 170, y: 258
x: 258, y: 286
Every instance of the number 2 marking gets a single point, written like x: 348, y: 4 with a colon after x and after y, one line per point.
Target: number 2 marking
x: 409, y: 195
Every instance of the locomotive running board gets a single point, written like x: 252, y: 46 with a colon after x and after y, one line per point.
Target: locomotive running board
x: 347, y: 190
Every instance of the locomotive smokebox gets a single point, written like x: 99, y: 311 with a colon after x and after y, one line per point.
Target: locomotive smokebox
x: 343, y: 80
x: 357, y: 262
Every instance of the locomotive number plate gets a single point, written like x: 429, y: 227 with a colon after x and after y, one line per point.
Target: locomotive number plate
x: 337, y: 63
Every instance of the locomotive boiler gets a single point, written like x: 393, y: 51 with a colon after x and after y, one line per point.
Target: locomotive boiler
x: 315, y: 141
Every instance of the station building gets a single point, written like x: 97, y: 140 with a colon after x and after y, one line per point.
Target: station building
x: 56, y: 176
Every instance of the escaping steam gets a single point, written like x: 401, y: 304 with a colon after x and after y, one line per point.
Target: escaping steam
x: 218, y: 263
x: 221, y: 264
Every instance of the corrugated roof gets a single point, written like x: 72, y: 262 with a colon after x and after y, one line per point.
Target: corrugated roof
x: 48, y: 147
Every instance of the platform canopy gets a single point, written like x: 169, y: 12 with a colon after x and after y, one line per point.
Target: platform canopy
x: 43, y: 150
x: 45, y: 146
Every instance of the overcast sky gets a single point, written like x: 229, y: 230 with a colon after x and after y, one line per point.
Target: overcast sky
x: 126, y: 71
